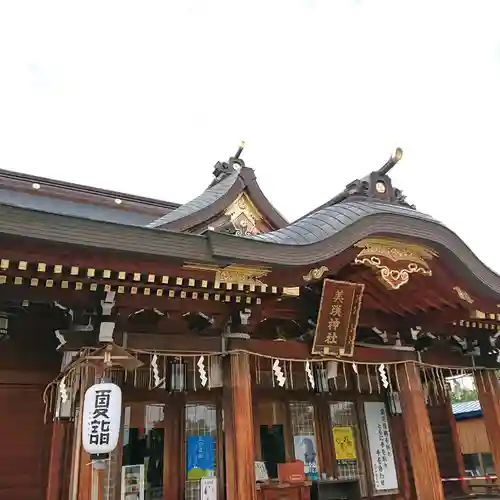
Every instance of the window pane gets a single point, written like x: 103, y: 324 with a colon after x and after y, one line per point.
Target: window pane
x: 343, y: 414
x: 201, y: 438
x: 304, y: 436
x: 488, y: 463
x: 472, y: 464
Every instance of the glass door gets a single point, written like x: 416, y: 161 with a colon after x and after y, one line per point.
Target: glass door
x: 201, y: 448
x: 142, y: 455
x: 347, y: 442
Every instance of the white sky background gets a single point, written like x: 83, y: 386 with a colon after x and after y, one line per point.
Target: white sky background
x: 145, y: 96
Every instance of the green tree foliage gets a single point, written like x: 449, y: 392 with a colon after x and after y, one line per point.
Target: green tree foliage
x: 463, y: 395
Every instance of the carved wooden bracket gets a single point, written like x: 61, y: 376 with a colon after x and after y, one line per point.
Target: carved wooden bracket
x: 394, y: 261
x: 463, y: 295
x: 315, y: 274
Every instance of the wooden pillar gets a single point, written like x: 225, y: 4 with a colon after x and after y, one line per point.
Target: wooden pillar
x: 57, y: 464
x: 419, y: 437
x: 456, y: 446
x: 398, y: 431
x: 228, y: 429
x: 173, y: 470
x: 239, y: 431
x: 488, y: 389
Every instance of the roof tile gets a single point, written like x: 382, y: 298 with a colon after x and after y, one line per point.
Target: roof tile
x: 333, y: 219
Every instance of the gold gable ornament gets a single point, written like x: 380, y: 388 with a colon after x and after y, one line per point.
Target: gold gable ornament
x: 244, y: 216
x: 394, y: 260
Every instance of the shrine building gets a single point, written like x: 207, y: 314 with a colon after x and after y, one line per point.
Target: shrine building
x: 257, y: 358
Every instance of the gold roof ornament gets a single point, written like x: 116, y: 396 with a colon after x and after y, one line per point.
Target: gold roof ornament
x: 315, y: 274
x: 393, y: 260
x: 463, y: 295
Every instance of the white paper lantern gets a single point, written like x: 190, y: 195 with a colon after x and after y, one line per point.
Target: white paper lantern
x: 102, y: 411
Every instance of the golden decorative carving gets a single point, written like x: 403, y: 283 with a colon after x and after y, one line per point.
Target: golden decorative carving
x: 315, y: 274
x: 394, y: 260
x: 477, y: 324
x: 463, y: 295
x: 244, y: 215
x: 240, y: 275
x: 484, y: 315
x: 291, y: 291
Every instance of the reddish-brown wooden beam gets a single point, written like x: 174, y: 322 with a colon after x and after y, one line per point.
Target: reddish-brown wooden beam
x: 173, y: 471
x: 415, y: 297
x: 57, y: 467
x: 82, y: 298
x: 417, y: 294
x: 399, y: 301
x: 180, y: 343
x: 299, y: 350
x: 70, y: 298
x: 456, y: 445
x: 84, y: 282
x: 374, y: 292
x: 402, y: 465
x: 437, y: 319
x: 155, y: 342
x: 243, y: 427
x: 488, y: 388
x: 78, y: 340
x: 276, y: 349
x: 435, y: 288
x: 418, y: 432
x: 229, y: 432
x: 93, y: 258
x: 26, y: 377
x: 294, y: 276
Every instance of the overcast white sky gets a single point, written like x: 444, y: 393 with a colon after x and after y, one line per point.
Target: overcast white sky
x: 145, y: 96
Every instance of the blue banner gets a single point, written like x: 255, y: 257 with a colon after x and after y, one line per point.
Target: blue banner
x: 200, y: 457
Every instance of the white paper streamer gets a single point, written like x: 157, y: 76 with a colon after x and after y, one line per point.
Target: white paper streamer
x: 383, y: 376
x: 63, y: 390
x: 202, y: 372
x: 156, y: 372
x: 278, y: 372
x: 310, y: 375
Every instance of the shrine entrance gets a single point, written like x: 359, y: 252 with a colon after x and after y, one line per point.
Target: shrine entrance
x: 165, y: 446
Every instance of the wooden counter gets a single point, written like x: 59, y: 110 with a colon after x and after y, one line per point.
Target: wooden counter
x: 284, y: 491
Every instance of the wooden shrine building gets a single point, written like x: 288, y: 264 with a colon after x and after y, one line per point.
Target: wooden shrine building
x: 242, y: 343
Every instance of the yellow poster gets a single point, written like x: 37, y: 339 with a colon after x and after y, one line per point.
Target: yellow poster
x: 343, y: 440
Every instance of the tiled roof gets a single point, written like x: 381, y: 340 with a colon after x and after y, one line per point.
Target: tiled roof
x: 75, y: 200
x: 467, y: 409
x: 328, y: 221
x: 208, y: 197
x: 61, y: 206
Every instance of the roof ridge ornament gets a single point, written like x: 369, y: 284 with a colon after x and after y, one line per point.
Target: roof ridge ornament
x: 378, y: 184
x: 391, y: 163
x: 225, y: 169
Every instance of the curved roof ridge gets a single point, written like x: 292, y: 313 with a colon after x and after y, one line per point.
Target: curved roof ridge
x: 210, y: 196
x: 216, y: 198
x: 327, y: 221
